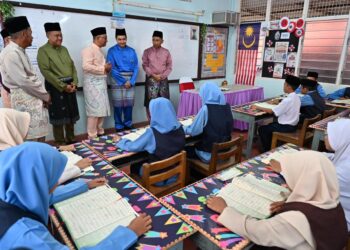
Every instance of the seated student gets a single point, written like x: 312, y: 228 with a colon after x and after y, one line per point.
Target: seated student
x: 337, y: 139
x: 313, y: 76
x: 163, y: 139
x: 311, y: 217
x: 33, y: 169
x: 312, y: 103
x: 287, y: 112
x: 214, y: 121
x: 340, y: 94
x: 15, y: 125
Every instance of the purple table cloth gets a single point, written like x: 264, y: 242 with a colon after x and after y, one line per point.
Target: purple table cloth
x: 190, y: 101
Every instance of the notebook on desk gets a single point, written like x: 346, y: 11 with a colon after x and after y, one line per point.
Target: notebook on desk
x: 252, y: 196
x: 135, y: 135
x: 265, y: 105
x: 278, y: 154
x: 187, y: 122
x: 344, y: 101
x: 90, y: 217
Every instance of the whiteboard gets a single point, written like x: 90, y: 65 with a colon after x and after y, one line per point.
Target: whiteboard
x: 76, y: 36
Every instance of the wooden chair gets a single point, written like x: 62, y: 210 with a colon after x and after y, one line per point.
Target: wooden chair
x: 329, y: 112
x: 300, y: 137
x: 163, y: 170
x: 223, y: 155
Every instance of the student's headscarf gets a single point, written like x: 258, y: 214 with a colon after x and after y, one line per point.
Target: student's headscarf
x: 14, y: 126
x: 27, y: 173
x: 163, y: 116
x: 211, y: 94
x: 339, y: 139
x: 312, y: 178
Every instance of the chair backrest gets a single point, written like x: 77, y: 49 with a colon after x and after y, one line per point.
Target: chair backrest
x: 222, y: 153
x: 185, y: 83
x: 329, y: 112
x: 305, y: 127
x: 162, y: 170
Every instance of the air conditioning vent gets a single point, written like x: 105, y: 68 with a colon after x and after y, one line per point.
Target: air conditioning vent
x: 229, y: 18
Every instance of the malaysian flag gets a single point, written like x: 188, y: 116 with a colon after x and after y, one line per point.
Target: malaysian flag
x: 247, y: 53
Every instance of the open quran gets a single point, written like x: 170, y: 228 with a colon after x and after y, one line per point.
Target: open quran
x: 90, y: 217
x: 252, y: 196
x: 265, y: 105
x: 135, y: 135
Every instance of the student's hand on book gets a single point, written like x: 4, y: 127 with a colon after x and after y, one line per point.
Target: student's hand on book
x: 97, y: 182
x: 116, y: 138
x: 216, y: 204
x: 276, y: 206
x: 254, y: 107
x: 84, y: 163
x: 275, y: 166
x: 67, y: 148
x: 141, y: 224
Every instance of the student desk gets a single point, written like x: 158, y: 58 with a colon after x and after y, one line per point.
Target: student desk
x: 190, y: 101
x: 247, y: 114
x: 189, y: 204
x: 168, y: 230
x: 340, y: 107
x: 106, y: 148
x: 321, y: 126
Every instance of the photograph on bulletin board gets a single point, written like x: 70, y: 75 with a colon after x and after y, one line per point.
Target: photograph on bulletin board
x: 214, y: 49
x: 280, y: 54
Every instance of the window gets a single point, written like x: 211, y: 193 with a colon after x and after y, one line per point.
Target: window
x: 322, y: 48
x: 253, y: 10
x: 346, y: 72
x: 289, y: 8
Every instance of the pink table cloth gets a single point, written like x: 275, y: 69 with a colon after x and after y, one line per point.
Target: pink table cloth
x: 190, y: 101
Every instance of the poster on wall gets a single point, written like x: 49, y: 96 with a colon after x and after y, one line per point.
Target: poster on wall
x: 214, y: 52
x: 280, y: 52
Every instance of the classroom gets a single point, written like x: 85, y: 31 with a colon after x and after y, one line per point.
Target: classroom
x: 175, y: 124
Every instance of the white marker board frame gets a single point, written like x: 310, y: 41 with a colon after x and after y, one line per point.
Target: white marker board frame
x: 184, y: 51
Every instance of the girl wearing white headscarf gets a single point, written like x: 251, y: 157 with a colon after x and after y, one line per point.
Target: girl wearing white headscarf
x: 337, y: 139
x: 311, y: 217
x: 14, y: 126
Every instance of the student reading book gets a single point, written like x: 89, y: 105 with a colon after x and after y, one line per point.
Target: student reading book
x: 28, y: 178
x: 287, y: 112
x: 311, y: 217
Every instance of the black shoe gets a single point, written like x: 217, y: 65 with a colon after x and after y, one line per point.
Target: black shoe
x: 117, y: 130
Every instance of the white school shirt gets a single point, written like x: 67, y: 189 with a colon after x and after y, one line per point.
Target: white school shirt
x: 288, y: 110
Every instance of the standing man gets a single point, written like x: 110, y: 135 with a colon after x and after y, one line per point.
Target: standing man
x: 5, y: 91
x: 157, y: 63
x: 61, y: 81
x: 124, y: 73
x: 28, y: 93
x: 95, y: 84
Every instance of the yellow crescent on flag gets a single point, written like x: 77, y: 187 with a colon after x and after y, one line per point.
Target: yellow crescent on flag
x: 248, y: 45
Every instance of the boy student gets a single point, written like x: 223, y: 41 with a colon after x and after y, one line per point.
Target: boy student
x: 287, y: 112
x: 312, y: 103
x: 340, y: 94
x: 311, y: 75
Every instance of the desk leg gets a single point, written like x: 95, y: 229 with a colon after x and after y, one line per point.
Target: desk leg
x: 178, y: 246
x: 251, y: 131
x: 203, y: 242
x: 318, y: 136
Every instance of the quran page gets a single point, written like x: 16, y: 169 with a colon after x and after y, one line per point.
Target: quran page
x: 265, y: 105
x: 92, y: 216
x: 252, y: 196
